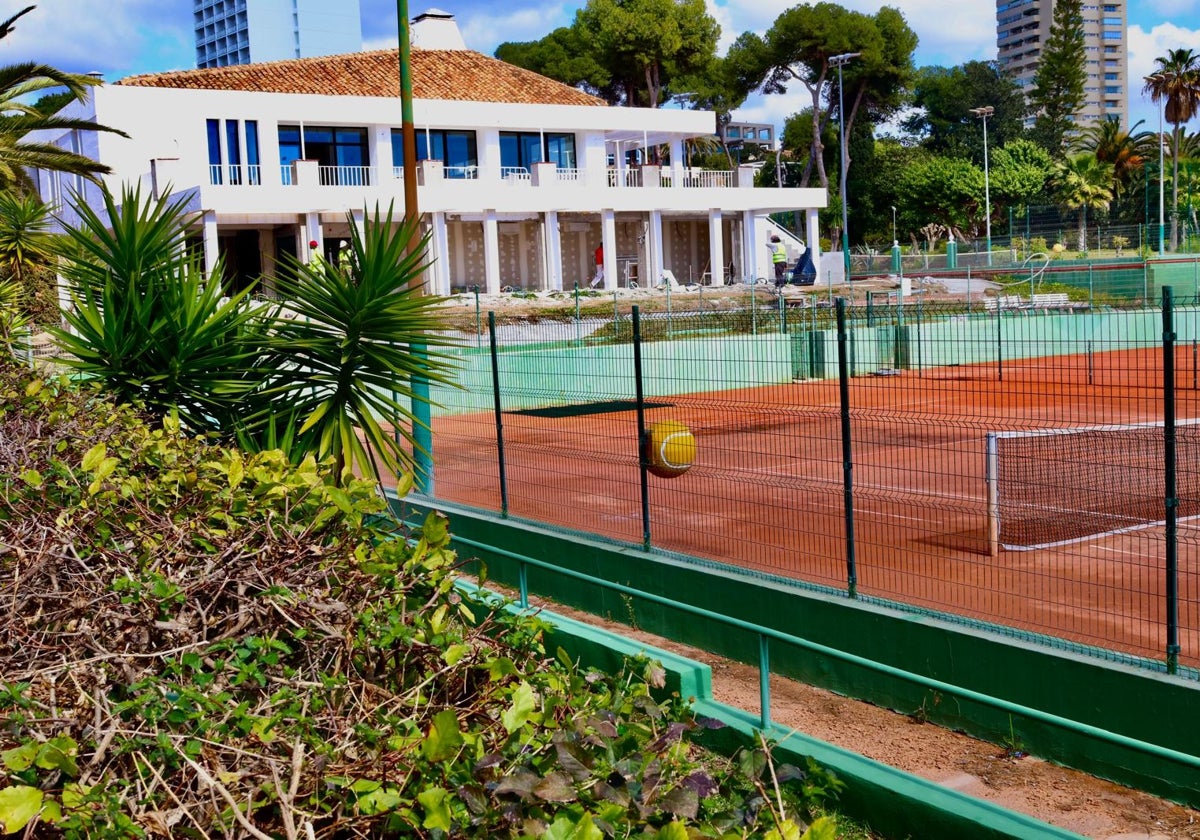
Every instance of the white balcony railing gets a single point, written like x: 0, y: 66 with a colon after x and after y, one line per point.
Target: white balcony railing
x: 515, y: 175
x: 234, y: 174
x: 707, y: 178
x: 626, y: 178
x: 345, y: 176
x: 367, y: 176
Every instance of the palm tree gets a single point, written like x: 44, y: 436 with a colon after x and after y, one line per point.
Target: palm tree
x: 18, y: 119
x: 342, y: 356
x: 25, y: 237
x: 1176, y: 83
x: 1084, y: 183
x: 1127, y: 151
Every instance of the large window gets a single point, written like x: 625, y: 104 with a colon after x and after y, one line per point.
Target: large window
x: 225, y: 152
x: 342, y: 153
x: 457, y: 150
x: 520, y: 150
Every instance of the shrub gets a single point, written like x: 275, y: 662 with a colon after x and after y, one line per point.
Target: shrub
x: 201, y: 642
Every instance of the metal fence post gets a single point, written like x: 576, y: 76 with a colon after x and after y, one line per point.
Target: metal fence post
x: 641, y: 425
x: 478, y: 322
x: 499, y: 415
x: 1170, y: 497
x: 847, y: 451
x: 999, y: 342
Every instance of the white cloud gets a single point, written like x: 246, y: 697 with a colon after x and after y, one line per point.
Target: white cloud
x: 1144, y: 47
x: 484, y: 30
x: 125, y: 36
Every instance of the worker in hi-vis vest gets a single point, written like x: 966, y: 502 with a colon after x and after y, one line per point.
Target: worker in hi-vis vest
x: 778, y: 259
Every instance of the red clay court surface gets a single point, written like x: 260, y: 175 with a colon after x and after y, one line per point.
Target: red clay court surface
x: 766, y: 490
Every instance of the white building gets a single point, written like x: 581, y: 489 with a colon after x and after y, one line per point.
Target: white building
x: 246, y: 31
x: 520, y: 177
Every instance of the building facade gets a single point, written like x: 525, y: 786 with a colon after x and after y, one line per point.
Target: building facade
x: 246, y: 31
x: 1022, y: 28
x: 519, y: 178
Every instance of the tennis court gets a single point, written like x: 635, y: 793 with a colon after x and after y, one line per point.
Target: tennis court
x: 768, y: 492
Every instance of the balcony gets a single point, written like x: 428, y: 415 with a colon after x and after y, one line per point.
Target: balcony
x: 543, y: 175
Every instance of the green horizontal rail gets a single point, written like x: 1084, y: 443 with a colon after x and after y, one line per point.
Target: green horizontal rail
x: 766, y: 633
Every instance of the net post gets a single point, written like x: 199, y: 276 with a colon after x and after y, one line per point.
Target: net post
x: 991, y: 476
x: 499, y: 415
x: 847, y: 452
x: 641, y: 425
x: 1170, y: 491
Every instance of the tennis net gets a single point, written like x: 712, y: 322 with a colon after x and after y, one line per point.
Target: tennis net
x: 1052, y: 486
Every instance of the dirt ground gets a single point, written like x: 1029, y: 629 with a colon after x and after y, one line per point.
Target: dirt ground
x: 1057, y: 795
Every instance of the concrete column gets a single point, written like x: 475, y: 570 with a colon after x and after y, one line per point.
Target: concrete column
x: 488, y: 145
x: 491, y: 253
x: 654, y: 246
x: 430, y: 172
x: 306, y: 173
x: 543, y: 175
x: 552, y: 241
x: 678, y: 164
x: 212, y: 246
x: 312, y: 232
x: 812, y: 238
x: 381, y: 154
x: 716, y: 249
x: 437, y: 279
x: 608, y: 235
x: 753, y: 233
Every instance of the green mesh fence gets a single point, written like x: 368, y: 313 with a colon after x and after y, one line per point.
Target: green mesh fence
x: 550, y: 432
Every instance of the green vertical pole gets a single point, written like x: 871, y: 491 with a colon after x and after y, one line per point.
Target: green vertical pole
x: 642, y: 442
x: 478, y: 322
x: 1170, y: 494
x: 499, y: 414
x: 847, y: 449
x: 578, y: 322
x: 422, y: 416
x: 764, y: 682
x: 999, y: 345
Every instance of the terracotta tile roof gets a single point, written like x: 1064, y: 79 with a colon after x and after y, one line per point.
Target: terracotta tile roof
x: 461, y: 75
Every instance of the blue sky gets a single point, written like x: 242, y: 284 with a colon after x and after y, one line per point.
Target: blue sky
x: 121, y: 37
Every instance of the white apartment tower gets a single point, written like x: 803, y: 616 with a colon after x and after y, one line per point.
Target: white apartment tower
x: 245, y: 31
x: 1022, y: 28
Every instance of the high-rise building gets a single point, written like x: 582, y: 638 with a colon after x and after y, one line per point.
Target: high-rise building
x: 242, y: 31
x: 1022, y: 27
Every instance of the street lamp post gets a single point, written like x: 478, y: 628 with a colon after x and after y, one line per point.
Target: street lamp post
x: 1161, y: 178
x: 895, y: 241
x: 839, y: 61
x: 983, y: 113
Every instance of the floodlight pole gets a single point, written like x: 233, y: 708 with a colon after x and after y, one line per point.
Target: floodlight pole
x: 839, y: 61
x: 983, y: 113
x: 422, y: 416
x: 1161, y: 178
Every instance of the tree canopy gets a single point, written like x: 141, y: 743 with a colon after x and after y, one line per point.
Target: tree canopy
x: 798, y: 48
x: 1058, y: 85
x: 945, y: 97
x: 630, y: 52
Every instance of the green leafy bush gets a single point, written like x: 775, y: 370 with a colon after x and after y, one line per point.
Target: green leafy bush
x: 203, y: 642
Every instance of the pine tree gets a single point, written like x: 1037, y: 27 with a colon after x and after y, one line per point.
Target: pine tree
x: 1058, y: 84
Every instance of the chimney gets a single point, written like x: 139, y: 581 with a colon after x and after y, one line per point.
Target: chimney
x: 436, y: 30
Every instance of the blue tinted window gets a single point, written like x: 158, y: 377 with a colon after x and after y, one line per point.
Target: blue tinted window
x: 214, y: 142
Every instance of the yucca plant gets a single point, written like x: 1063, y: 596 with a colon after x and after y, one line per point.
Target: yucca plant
x: 149, y: 324
x: 350, y: 341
